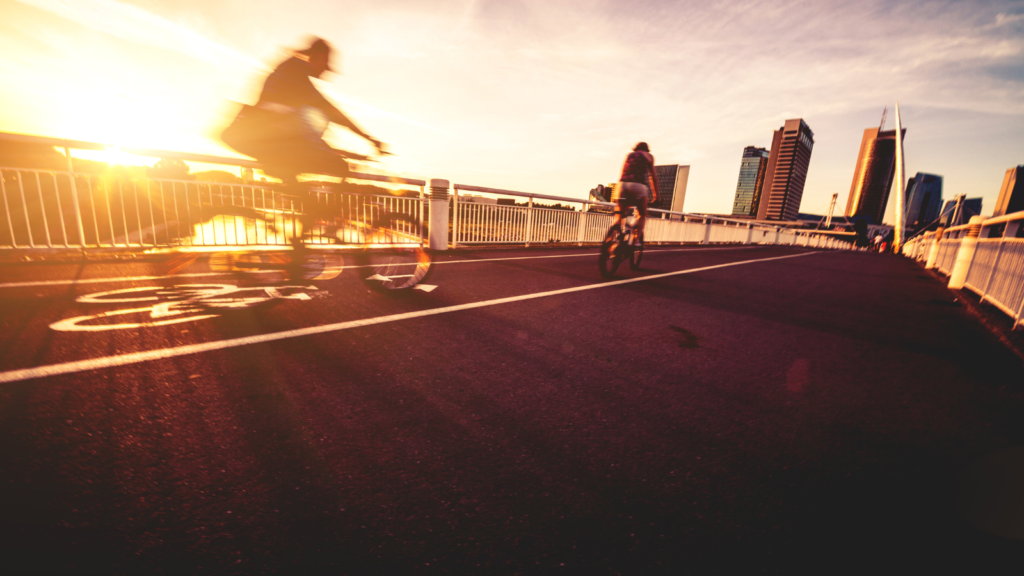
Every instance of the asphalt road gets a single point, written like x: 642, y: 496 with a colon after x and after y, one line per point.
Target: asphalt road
x: 723, y: 410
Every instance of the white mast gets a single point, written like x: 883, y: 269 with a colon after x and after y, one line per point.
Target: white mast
x: 898, y: 240
x: 831, y: 208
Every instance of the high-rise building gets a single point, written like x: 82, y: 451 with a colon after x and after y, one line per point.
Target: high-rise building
x: 672, y: 179
x: 953, y: 216
x: 753, y: 167
x: 1011, y: 194
x: 786, y: 172
x: 872, y: 177
x: 924, y: 199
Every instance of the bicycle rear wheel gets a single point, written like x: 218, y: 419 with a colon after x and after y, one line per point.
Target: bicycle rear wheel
x: 609, y: 259
x: 394, y: 268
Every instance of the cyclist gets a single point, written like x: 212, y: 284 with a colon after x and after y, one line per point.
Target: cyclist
x: 284, y: 129
x: 638, y: 185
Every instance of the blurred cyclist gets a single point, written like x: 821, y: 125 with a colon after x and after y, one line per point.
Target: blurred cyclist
x: 284, y: 129
x: 638, y: 186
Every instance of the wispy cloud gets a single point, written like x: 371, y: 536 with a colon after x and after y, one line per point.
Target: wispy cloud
x: 140, y: 26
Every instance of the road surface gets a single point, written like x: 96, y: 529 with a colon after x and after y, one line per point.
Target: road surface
x: 725, y: 409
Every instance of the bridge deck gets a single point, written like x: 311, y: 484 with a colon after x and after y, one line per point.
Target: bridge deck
x: 732, y: 408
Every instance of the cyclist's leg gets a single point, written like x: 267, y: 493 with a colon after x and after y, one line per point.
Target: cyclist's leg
x: 641, y: 219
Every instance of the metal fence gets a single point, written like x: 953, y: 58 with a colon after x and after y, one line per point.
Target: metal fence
x: 48, y: 208
x: 992, y: 250
x: 525, y: 218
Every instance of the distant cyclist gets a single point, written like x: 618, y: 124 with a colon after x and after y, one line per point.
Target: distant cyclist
x: 284, y: 130
x: 638, y: 186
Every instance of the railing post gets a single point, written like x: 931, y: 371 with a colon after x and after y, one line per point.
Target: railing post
x: 933, y: 254
x: 965, y: 255
x: 529, y: 220
x: 423, y: 208
x: 74, y: 199
x: 750, y: 233
x: 707, y: 231
x: 778, y: 232
x: 455, y: 216
x: 439, y: 214
x: 583, y: 217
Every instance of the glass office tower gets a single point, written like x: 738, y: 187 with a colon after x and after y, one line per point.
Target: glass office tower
x: 672, y: 180
x: 753, y: 167
x: 924, y: 200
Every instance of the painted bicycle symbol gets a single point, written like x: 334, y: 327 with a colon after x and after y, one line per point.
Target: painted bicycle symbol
x: 161, y: 306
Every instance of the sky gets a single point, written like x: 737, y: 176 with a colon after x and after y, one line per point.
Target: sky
x: 545, y: 96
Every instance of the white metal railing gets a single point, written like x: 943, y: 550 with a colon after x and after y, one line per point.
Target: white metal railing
x: 64, y: 209
x: 478, y: 221
x: 53, y: 208
x: 988, y: 254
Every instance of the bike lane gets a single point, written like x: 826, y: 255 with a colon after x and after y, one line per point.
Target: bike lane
x: 59, y: 323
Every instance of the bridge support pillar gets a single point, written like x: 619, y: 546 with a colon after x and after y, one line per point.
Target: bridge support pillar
x: 439, y: 214
x: 933, y: 254
x: 965, y: 255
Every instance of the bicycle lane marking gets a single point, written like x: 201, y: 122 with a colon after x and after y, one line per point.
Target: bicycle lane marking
x: 164, y: 353
x: 435, y: 263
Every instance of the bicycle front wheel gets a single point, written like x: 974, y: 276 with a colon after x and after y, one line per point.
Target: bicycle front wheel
x: 394, y: 268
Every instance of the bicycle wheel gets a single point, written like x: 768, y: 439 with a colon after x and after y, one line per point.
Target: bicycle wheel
x: 609, y: 259
x: 636, y: 254
x: 394, y: 268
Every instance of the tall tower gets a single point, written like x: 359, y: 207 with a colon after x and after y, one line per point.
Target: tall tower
x: 1011, y: 193
x: 672, y: 180
x: 873, y: 175
x: 924, y: 200
x: 753, y: 167
x: 787, y: 171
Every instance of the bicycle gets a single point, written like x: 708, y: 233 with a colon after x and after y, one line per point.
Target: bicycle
x: 383, y: 238
x: 383, y: 256
x: 621, y: 242
x: 387, y: 260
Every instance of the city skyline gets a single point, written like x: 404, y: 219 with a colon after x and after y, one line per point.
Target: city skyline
x: 515, y: 94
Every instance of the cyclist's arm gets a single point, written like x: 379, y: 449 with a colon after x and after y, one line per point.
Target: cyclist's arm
x: 340, y: 119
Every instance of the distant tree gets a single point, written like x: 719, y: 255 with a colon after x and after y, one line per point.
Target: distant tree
x: 216, y: 176
x: 169, y: 169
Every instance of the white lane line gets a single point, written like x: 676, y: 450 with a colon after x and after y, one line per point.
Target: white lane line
x: 331, y: 268
x: 136, y: 357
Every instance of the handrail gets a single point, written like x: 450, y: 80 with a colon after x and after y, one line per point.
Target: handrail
x: 1005, y: 218
x: 173, y: 155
